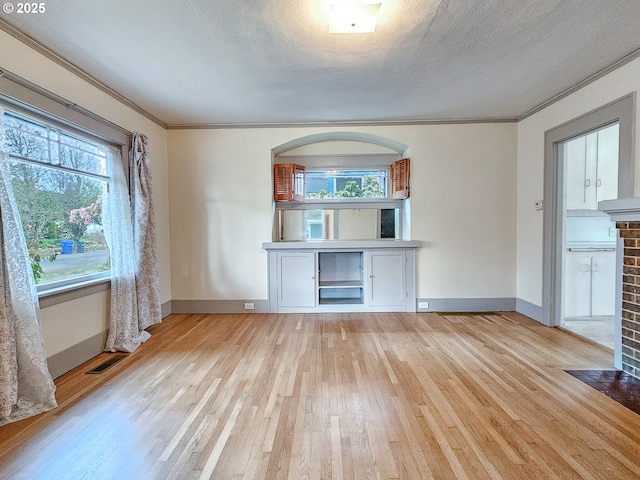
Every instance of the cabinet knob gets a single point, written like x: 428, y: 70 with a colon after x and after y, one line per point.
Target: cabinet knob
x: 370, y: 276
x: 313, y: 278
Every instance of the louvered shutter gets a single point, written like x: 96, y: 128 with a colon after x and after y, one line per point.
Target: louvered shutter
x: 399, y: 175
x: 288, y: 182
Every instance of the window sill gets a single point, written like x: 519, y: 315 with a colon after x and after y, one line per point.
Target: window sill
x: 56, y: 295
x: 337, y: 203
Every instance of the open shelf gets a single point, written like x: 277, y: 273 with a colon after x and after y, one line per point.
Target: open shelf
x: 341, y: 284
x: 341, y: 296
x: 340, y: 278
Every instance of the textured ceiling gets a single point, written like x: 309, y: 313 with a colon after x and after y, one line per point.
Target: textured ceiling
x: 274, y: 62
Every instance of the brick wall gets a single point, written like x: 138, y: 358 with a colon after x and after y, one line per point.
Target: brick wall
x: 630, y: 232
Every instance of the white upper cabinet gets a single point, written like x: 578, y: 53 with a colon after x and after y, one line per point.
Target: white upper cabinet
x: 591, y: 168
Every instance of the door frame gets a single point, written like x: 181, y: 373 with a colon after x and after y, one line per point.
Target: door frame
x: 621, y: 111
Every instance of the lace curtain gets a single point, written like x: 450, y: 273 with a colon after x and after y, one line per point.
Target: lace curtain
x: 26, y: 386
x: 144, y: 233
x: 125, y: 333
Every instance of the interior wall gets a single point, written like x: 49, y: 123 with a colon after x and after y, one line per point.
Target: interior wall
x: 463, y: 198
x: 531, y: 133
x: 72, y: 322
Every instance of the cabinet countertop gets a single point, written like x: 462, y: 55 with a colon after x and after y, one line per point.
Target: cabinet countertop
x: 342, y: 244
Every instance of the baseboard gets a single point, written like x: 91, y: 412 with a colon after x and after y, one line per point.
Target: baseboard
x: 467, y: 304
x: 166, y: 309
x: 529, y: 309
x: 62, y: 362
x: 218, y: 306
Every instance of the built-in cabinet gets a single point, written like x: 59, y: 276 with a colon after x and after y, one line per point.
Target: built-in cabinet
x: 590, y: 283
x: 298, y: 287
x: 342, y: 276
x: 592, y: 169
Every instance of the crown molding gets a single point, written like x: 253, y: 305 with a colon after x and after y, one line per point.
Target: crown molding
x: 46, y: 52
x: 596, y: 76
x: 54, y: 57
x: 382, y: 123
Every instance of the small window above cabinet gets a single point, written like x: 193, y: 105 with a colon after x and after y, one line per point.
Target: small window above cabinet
x: 289, y: 182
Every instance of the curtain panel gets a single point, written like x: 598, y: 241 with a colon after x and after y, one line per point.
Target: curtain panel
x: 26, y: 386
x: 144, y: 233
x: 125, y: 333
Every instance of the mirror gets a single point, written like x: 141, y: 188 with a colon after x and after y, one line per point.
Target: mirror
x: 338, y: 224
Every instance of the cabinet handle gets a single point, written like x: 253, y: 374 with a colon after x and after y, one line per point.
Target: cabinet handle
x: 313, y: 278
x: 598, y: 183
x: 370, y: 276
x: 594, y: 268
x: 587, y: 183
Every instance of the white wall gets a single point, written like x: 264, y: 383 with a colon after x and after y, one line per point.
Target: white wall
x: 67, y: 324
x: 463, y: 199
x: 531, y: 131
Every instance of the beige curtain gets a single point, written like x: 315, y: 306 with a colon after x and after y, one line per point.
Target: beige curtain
x: 147, y: 284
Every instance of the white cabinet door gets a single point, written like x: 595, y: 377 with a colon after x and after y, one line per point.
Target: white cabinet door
x: 577, y: 181
x: 297, y: 279
x: 607, y: 176
x: 577, y: 285
x: 603, y: 284
x: 386, y: 278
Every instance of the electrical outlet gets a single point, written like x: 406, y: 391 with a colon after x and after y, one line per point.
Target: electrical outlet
x: 423, y: 304
x: 249, y: 306
x: 612, y: 231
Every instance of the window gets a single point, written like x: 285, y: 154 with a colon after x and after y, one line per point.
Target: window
x: 346, y: 184
x: 58, y: 180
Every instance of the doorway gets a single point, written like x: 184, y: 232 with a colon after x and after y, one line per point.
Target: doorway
x: 588, y: 293
x: 571, y: 215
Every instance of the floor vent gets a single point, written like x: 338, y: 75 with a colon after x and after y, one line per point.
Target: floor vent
x: 466, y: 314
x: 104, y: 366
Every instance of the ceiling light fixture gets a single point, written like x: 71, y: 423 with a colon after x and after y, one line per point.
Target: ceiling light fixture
x: 353, y: 17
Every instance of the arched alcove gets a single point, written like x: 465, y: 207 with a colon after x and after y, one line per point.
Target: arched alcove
x: 392, y: 145
x: 339, y: 150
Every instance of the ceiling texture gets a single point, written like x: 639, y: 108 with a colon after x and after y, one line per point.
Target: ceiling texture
x: 274, y: 62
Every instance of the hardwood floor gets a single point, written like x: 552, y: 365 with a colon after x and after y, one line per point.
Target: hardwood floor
x: 345, y: 396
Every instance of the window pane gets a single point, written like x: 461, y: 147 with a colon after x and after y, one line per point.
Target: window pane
x: 61, y: 216
x: 26, y: 139
x: 346, y: 184
x: 83, y: 156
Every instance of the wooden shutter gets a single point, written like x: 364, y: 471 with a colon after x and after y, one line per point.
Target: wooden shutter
x: 399, y: 176
x: 288, y: 182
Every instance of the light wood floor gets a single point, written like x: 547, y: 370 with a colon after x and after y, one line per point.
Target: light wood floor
x: 334, y: 396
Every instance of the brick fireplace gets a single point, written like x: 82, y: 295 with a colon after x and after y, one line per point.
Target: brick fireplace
x: 626, y: 214
x: 630, y: 234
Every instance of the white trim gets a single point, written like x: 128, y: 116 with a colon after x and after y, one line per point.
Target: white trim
x: 398, y: 147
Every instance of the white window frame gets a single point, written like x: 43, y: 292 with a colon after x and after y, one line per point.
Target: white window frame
x: 63, y: 285
x: 28, y: 99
